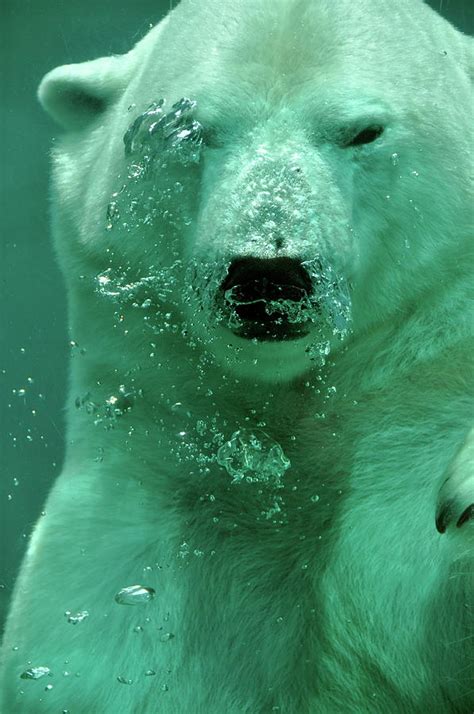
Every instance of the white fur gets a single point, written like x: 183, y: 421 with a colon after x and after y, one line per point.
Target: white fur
x: 348, y: 599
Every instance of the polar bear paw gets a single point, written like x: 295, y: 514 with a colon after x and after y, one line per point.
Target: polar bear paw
x: 456, y: 496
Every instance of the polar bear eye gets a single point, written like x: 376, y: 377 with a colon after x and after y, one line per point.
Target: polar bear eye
x: 366, y: 136
x: 211, y: 138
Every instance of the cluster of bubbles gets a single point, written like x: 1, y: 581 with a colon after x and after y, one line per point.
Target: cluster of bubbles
x: 331, y: 312
x: 155, y: 140
x: 251, y: 456
x: 112, y: 408
x: 285, y: 310
x: 149, y: 291
x: 149, y: 203
x: 175, y: 133
x: 74, y: 618
x: 197, y: 440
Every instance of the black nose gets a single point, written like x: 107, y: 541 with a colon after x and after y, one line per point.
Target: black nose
x: 254, y: 281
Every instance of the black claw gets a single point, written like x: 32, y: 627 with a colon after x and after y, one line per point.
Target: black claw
x: 466, y: 516
x: 444, y: 516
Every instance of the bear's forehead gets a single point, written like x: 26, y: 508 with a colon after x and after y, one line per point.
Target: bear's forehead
x: 279, y: 48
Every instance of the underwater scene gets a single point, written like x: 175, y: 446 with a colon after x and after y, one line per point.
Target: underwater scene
x: 237, y: 358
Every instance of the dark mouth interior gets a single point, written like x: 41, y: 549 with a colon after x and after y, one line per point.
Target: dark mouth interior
x: 252, y: 284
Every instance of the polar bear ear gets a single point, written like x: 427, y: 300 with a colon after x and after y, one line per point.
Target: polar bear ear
x: 75, y: 94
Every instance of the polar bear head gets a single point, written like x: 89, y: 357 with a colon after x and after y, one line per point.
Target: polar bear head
x: 265, y: 180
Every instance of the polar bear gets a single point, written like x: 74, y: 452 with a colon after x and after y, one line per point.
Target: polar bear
x: 262, y: 213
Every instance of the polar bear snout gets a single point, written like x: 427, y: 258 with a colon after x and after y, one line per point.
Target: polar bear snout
x: 265, y: 298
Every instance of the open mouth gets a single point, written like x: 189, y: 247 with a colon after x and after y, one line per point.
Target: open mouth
x: 267, y: 298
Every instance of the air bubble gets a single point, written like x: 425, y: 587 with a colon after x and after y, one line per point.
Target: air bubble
x: 166, y: 637
x: 36, y: 673
x: 134, y: 595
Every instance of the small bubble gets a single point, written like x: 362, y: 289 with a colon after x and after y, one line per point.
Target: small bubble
x: 166, y: 637
x: 35, y: 673
x: 179, y: 409
x: 124, y: 680
x: 134, y: 595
